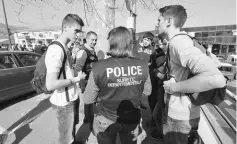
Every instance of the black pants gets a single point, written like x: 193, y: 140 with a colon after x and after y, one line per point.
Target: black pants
x: 153, y: 97
x: 156, y: 102
x: 89, y: 113
x: 158, y: 112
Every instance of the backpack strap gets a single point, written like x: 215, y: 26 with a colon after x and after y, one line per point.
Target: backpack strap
x: 182, y: 34
x: 62, y: 69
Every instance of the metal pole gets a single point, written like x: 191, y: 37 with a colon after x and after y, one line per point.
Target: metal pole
x: 6, y: 23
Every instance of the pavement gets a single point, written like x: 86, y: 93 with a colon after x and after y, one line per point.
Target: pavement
x: 32, y: 121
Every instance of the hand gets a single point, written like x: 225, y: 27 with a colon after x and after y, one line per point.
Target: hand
x: 81, y: 75
x: 160, y: 76
x: 167, y: 85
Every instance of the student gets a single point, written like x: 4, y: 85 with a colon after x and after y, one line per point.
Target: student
x: 145, y: 49
x: 157, y: 64
x: 64, y: 99
x: 183, y: 58
x: 116, y: 85
x: 85, y: 58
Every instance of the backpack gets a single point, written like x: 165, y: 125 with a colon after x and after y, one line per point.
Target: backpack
x: 213, y: 96
x: 38, y: 82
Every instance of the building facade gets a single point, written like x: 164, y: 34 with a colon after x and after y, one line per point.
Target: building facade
x: 31, y: 39
x: 222, y: 38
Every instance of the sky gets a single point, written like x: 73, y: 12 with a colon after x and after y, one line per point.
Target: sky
x: 200, y: 13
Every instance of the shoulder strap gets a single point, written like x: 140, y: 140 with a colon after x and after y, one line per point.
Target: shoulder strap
x: 182, y: 34
x: 64, y: 58
x: 62, y: 69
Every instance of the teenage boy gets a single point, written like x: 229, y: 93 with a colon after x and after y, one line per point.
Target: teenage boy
x: 85, y: 58
x: 183, y: 58
x: 65, y: 97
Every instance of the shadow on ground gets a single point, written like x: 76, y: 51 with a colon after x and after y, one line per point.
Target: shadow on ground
x: 21, y: 128
x: 17, y: 100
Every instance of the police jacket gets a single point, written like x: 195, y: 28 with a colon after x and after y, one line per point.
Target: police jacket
x: 117, y: 79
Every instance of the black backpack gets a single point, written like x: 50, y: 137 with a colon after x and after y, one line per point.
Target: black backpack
x: 38, y: 82
x: 213, y: 96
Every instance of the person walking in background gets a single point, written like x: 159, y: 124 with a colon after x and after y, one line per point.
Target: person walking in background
x: 182, y: 59
x: 117, y: 85
x: 85, y: 58
x: 64, y: 99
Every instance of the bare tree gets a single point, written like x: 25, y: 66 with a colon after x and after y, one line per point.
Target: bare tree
x: 89, y: 6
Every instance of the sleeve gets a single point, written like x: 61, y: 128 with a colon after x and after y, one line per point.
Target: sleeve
x: 147, y: 86
x: 54, y: 58
x: 91, y: 91
x: 81, y: 57
x: 192, y: 57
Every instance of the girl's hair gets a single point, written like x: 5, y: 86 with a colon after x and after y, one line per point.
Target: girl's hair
x: 120, y: 42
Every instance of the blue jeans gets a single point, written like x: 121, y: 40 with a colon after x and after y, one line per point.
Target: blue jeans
x: 67, y: 117
x: 178, y: 131
x: 106, y: 131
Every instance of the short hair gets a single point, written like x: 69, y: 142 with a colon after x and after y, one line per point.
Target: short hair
x: 177, y: 12
x: 90, y: 33
x: 71, y: 19
x: 148, y: 35
x: 120, y: 42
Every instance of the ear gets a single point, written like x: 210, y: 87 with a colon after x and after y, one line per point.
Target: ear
x: 65, y: 28
x: 169, y: 21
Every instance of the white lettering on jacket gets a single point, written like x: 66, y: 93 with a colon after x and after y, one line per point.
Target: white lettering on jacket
x: 123, y: 72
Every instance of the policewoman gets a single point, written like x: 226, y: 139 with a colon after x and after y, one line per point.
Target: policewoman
x: 117, y: 85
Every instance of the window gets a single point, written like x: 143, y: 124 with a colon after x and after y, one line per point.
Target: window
x: 198, y: 34
x: 204, y: 34
x: 6, y: 62
x: 215, y: 49
x: 224, y: 49
x: 28, y: 59
x: 232, y: 49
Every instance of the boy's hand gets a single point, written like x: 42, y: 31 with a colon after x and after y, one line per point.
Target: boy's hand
x: 81, y: 75
x: 167, y: 85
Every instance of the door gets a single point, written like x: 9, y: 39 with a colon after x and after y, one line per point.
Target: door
x: 28, y: 61
x: 12, y: 78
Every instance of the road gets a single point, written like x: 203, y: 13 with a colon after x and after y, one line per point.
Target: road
x: 31, y: 120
